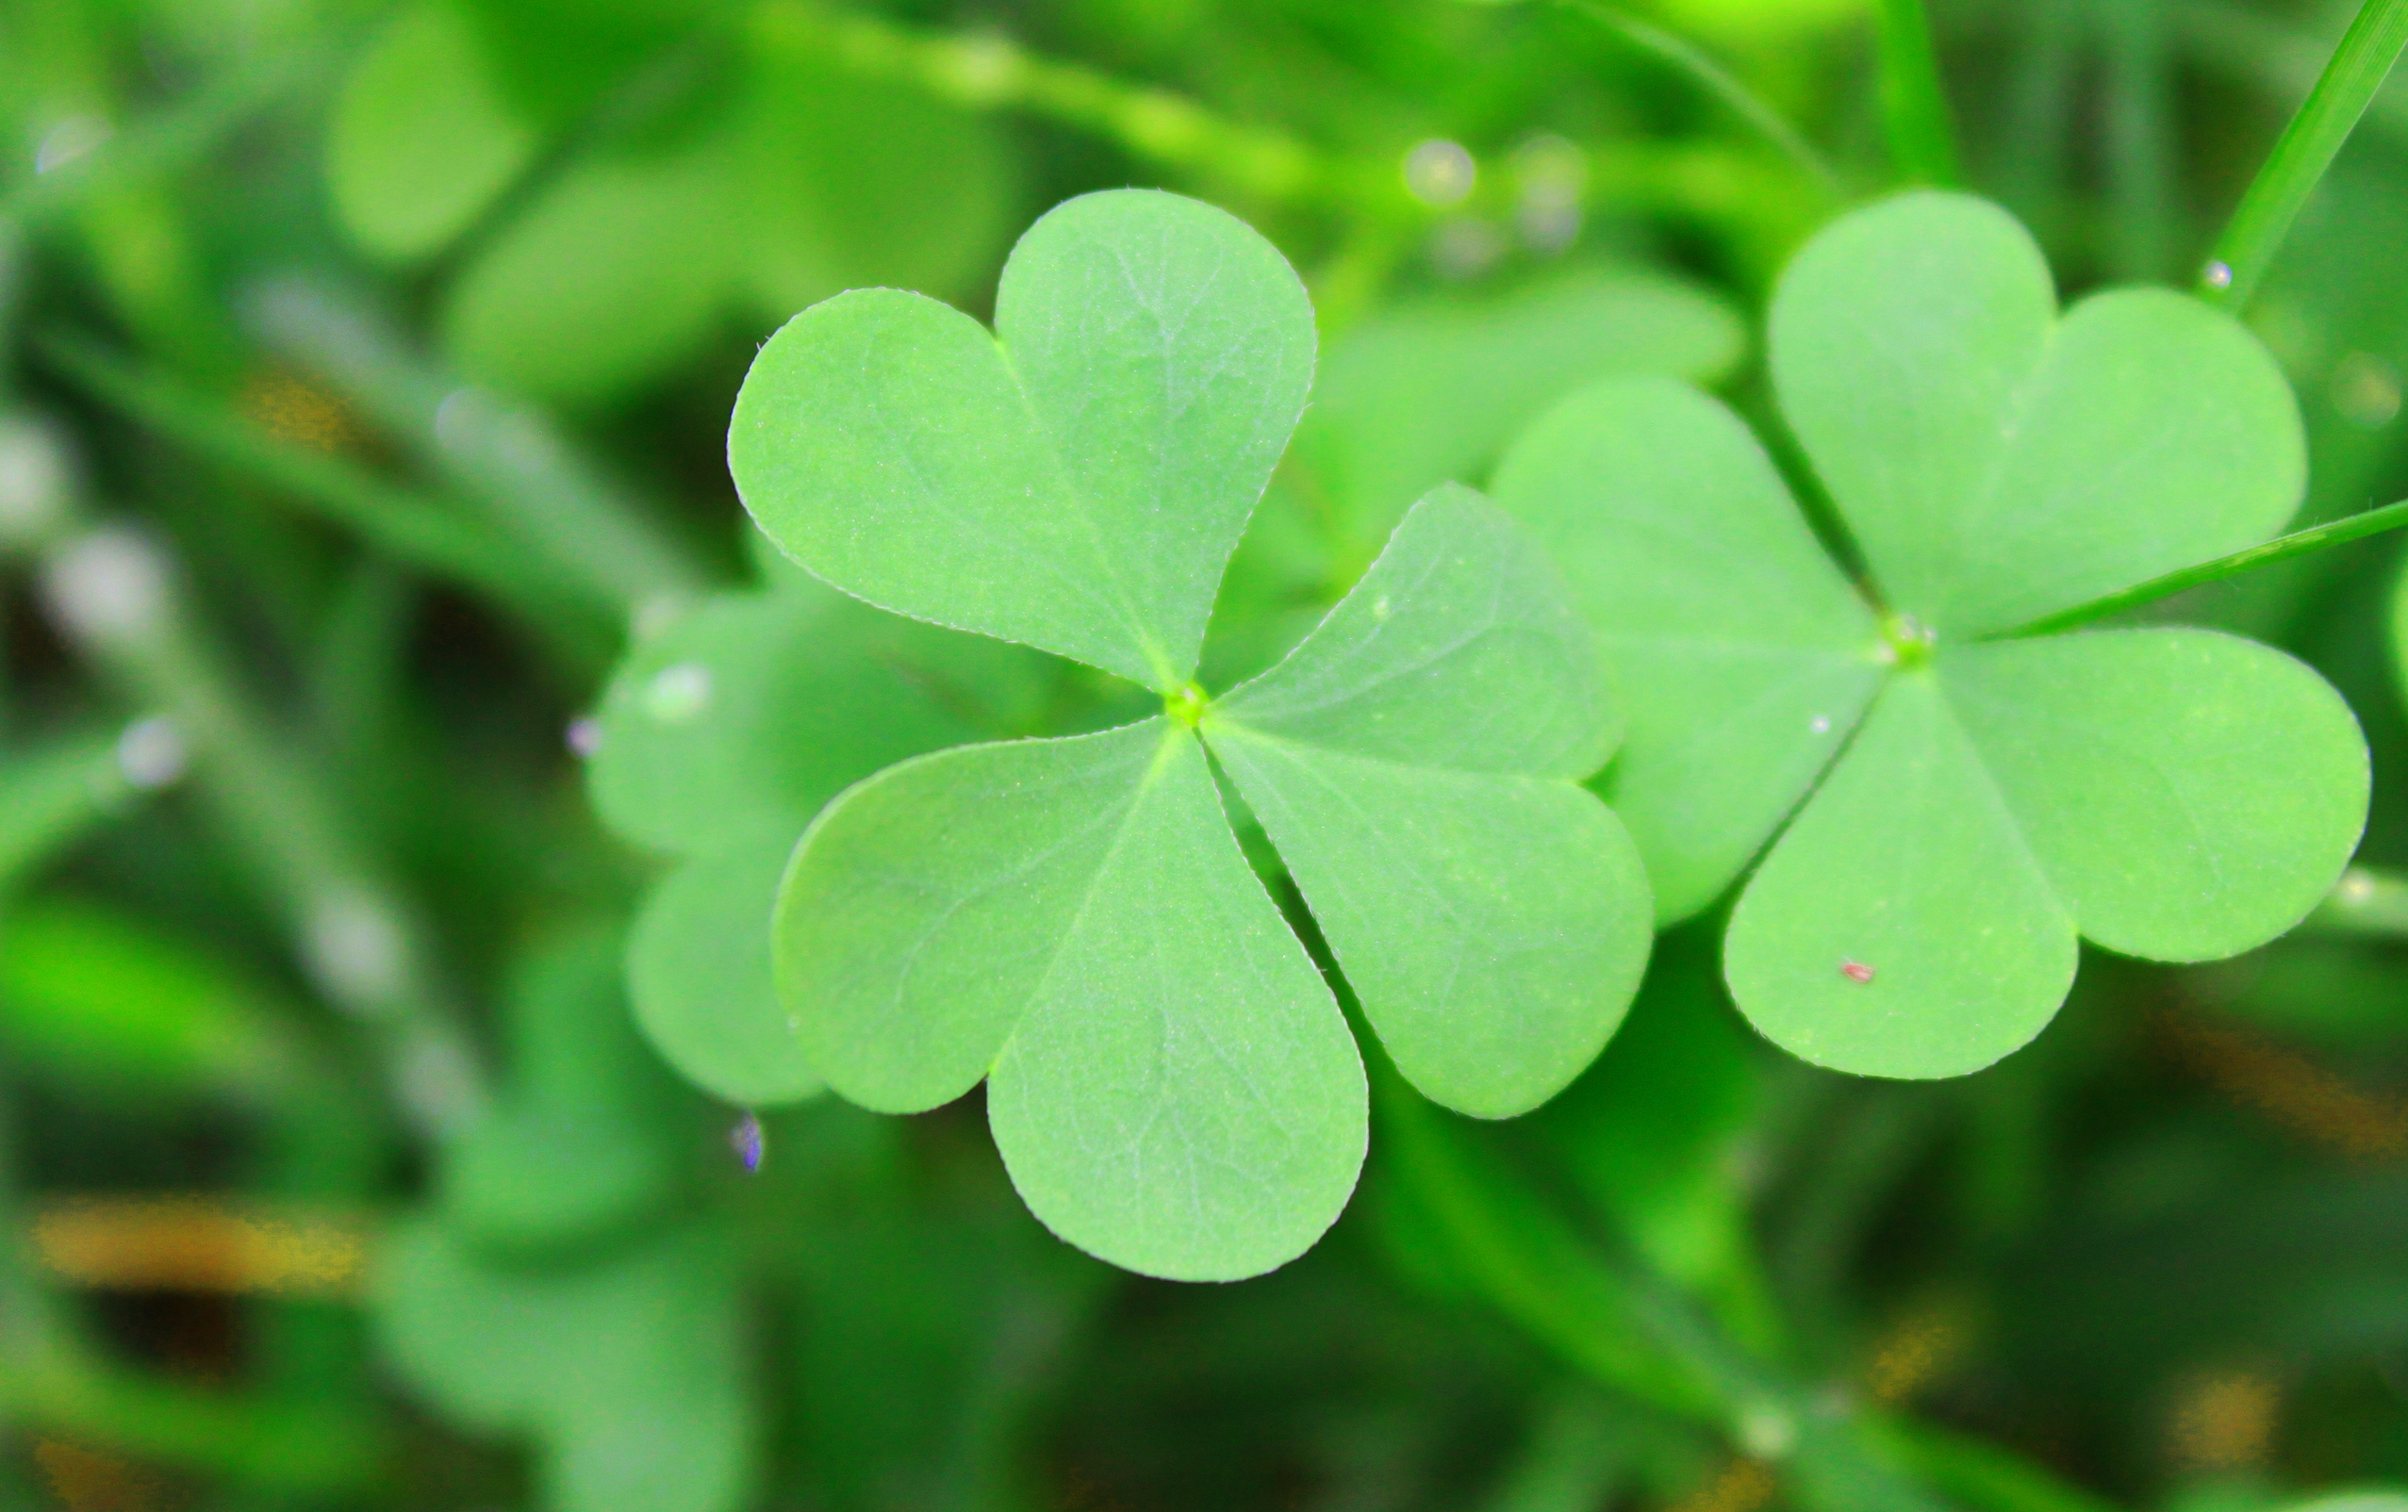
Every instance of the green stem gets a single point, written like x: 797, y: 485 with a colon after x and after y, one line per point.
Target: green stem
x: 418, y: 531
x: 505, y: 457
x: 113, y: 592
x: 2305, y: 150
x: 50, y: 797
x: 1976, y: 1473
x: 1914, y: 104
x: 2281, y: 549
x: 1719, y: 82
x: 165, y: 142
x: 989, y: 71
x: 1610, y: 1318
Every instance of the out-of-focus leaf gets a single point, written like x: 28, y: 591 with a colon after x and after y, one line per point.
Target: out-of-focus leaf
x: 422, y: 143
x: 1649, y: 1132
x: 854, y: 182
x: 1430, y: 391
x: 94, y: 994
x: 741, y: 719
x: 628, y: 1370
x: 609, y: 275
x: 586, y: 1139
x: 697, y: 969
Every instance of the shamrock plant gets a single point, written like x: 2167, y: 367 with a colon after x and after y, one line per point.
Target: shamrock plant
x: 1170, y: 1080
x: 1969, y: 793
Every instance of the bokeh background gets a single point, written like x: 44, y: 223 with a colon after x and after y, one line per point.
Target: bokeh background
x: 364, y: 378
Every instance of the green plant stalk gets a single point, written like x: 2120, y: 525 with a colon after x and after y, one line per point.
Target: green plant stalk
x: 2239, y: 262
x: 1979, y: 1475
x: 990, y: 73
x: 359, y: 938
x: 2281, y: 548
x: 1627, y: 1329
x: 1719, y: 82
x: 420, y: 532
x: 167, y: 142
x: 48, y: 797
x: 505, y: 457
x: 1914, y: 105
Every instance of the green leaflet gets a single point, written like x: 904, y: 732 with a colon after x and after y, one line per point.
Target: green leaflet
x: 1073, y: 915
x: 1743, y: 655
x: 1409, y: 761
x: 629, y: 1372
x: 699, y: 974
x: 1169, y: 1082
x: 1076, y: 482
x: 1907, y: 865
x: 1182, y: 1098
x: 2189, y: 794
x: 610, y: 274
x: 1998, y: 463
x: 916, y: 920
x: 2170, y: 794
x: 421, y: 142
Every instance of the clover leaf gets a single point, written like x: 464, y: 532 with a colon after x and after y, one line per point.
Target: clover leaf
x: 1170, y: 1081
x: 1966, y: 799
x: 719, y: 737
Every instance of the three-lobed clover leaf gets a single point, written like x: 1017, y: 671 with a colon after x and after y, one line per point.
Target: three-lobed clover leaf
x: 1169, y: 1079
x: 1966, y: 801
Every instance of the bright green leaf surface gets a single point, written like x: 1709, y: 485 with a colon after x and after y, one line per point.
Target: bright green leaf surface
x: 422, y: 141
x: 1996, y: 463
x: 629, y: 1372
x: 1494, y: 922
x: 614, y: 271
x: 1742, y: 654
x: 1432, y: 391
x: 1907, y: 863
x: 1459, y: 649
x: 1182, y: 1098
x: 1078, y: 487
x: 2190, y: 795
x: 1495, y: 926
x: 741, y: 719
x: 924, y: 908
x: 699, y: 971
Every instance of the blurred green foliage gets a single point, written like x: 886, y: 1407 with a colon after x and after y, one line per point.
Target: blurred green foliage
x: 367, y: 372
